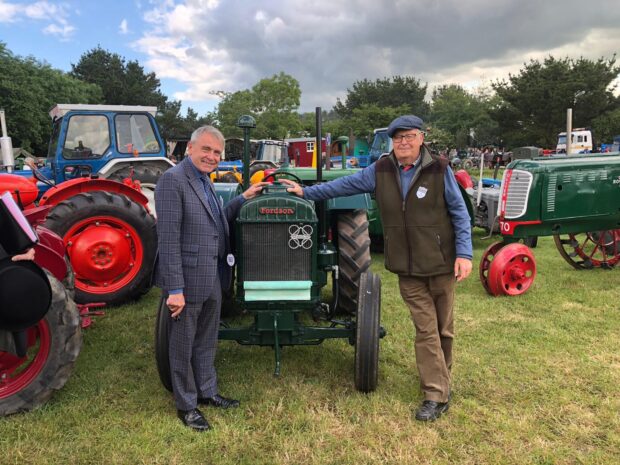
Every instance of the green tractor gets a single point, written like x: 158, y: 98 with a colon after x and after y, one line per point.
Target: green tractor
x: 286, y: 247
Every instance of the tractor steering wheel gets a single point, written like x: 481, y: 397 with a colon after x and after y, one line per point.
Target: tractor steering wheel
x: 283, y: 173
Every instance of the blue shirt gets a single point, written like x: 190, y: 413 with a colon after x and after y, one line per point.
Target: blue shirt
x: 364, y: 181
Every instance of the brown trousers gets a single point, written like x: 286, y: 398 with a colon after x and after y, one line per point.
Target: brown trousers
x: 430, y: 301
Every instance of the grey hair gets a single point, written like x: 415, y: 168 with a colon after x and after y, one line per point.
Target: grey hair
x: 208, y: 130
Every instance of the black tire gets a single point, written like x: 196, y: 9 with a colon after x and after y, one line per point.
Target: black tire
x: 145, y: 172
x: 62, y: 322
x: 353, y: 257
x: 161, y: 344
x: 228, y: 177
x: 367, y: 333
x: 258, y: 167
x: 69, y: 281
x: 119, y: 207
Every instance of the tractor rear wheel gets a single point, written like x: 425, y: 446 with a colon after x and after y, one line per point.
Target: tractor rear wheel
x: 368, y: 333
x: 147, y: 173
x: 353, y: 257
x: 111, y: 242
x: 161, y: 344
x: 53, y: 345
x: 595, y: 249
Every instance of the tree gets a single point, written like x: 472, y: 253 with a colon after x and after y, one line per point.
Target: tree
x: 606, y: 126
x: 532, y: 110
x: 122, y: 83
x: 276, y: 101
x: 369, y: 104
x: 272, y: 102
x: 28, y: 89
x: 173, y: 125
x: 387, y: 92
x: 460, y: 113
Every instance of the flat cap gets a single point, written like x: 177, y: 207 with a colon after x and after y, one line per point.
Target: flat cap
x: 404, y: 122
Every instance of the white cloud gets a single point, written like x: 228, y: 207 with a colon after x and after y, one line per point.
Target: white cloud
x: 9, y: 12
x: 62, y: 31
x: 56, y: 13
x: 329, y: 44
x: 122, y: 28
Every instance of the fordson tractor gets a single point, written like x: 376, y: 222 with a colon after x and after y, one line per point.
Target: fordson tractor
x: 37, y: 358
x: 106, y: 225
x: 286, y: 248
x: 574, y: 198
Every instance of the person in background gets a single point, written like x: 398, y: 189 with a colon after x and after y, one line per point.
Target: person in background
x: 427, y: 243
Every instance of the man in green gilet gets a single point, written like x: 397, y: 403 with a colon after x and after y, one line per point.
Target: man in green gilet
x: 427, y: 243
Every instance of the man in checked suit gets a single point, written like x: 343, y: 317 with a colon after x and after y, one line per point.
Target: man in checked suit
x: 194, y: 265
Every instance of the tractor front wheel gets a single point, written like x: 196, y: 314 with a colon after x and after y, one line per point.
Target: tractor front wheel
x: 53, y: 345
x: 111, y: 242
x: 353, y: 257
x: 367, y: 333
x: 161, y: 344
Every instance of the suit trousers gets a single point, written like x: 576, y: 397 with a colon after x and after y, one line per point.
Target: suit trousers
x: 430, y: 301
x: 192, y: 347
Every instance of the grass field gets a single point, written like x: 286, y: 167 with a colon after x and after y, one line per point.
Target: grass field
x: 536, y: 381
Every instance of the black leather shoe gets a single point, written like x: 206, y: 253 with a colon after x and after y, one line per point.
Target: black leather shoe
x: 431, y: 410
x: 194, y: 419
x: 219, y: 401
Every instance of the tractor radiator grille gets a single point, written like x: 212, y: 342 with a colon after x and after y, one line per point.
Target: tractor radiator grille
x: 518, y: 193
x: 270, y: 253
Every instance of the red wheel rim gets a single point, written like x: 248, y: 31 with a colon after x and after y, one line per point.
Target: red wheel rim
x: 599, y: 248
x: 106, y: 254
x: 485, y: 264
x: 512, y: 271
x: 16, y: 373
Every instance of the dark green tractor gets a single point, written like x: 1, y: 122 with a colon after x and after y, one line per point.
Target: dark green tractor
x: 286, y: 248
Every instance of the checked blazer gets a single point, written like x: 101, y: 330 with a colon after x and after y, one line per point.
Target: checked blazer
x: 188, y: 235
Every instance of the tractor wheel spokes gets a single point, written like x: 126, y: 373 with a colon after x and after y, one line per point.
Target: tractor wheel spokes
x: 583, y: 251
x: 485, y: 263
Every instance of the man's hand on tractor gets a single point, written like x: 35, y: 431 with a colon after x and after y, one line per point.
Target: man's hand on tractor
x: 462, y: 268
x: 294, y: 189
x: 254, y: 190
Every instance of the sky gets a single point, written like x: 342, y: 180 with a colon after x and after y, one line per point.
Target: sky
x: 198, y: 47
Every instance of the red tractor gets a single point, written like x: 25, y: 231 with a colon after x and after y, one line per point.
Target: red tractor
x: 37, y: 356
x: 107, y: 230
x: 101, y: 168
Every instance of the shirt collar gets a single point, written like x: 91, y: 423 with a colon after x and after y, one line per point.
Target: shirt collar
x: 414, y: 164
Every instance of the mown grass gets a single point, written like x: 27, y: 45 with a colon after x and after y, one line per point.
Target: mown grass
x: 536, y: 381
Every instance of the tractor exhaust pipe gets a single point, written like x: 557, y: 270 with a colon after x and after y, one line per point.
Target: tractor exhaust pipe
x: 8, y: 161
x: 321, y: 205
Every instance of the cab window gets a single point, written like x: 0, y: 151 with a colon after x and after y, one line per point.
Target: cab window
x: 134, y: 133
x: 88, y: 136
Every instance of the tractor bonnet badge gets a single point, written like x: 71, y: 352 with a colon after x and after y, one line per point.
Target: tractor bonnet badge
x: 300, y: 236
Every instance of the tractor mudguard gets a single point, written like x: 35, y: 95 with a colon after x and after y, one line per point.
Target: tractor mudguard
x: 71, y: 188
x: 351, y: 202
x: 227, y: 191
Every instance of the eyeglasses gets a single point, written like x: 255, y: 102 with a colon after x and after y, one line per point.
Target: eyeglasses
x: 405, y: 138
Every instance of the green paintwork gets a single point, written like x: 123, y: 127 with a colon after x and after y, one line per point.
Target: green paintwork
x: 570, y: 194
x: 277, y: 290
